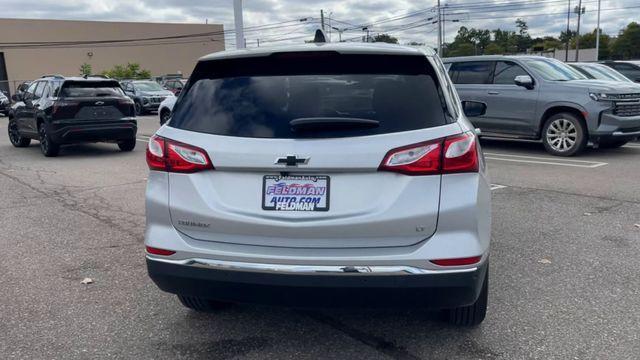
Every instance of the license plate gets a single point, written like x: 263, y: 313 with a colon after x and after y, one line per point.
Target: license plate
x: 295, y: 193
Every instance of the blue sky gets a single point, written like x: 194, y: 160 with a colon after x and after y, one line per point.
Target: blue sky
x: 405, y: 19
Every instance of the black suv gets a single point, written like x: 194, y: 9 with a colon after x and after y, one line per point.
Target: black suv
x: 146, y: 94
x: 58, y: 110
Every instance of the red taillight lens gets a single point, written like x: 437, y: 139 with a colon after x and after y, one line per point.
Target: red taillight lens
x: 460, y: 154
x: 161, y: 252
x: 172, y: 156
x: 453, y: 154
x: 416, y: 159
x: 457, y: 262
x: 68, y: 106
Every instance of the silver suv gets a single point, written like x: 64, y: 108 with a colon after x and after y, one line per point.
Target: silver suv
x: 317, y: 174
x: 531, y: 97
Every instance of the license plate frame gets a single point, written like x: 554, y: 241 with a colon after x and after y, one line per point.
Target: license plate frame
x: 305, y: 200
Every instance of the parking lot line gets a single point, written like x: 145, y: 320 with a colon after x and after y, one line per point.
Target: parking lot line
x: 544, y: 160
x: 637, y: 146
x: 143, y: 140
x: 496, y: 186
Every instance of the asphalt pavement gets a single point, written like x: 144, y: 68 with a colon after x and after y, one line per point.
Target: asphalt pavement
x: 564, y: 269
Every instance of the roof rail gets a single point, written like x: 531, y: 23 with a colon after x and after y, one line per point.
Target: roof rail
x: 57, y: 76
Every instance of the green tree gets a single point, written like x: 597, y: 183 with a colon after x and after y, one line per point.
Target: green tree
x: 415, y: 43
x: 463, y: 49
x: 386, y: 38
x: 493, y: 49
x: 626, y: 45
x: 85, y: 69
x: 129, y: 71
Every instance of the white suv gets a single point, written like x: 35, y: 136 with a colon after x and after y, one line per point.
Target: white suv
x: 317, y: 174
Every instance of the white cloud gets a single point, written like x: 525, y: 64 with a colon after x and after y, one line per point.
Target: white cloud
x: 545, y: 17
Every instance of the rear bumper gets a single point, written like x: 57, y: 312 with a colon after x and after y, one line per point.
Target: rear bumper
x: 318, y: 286
x: 89, y: 131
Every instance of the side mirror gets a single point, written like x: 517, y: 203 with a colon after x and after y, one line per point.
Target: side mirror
x: 16, y: 97
x: 474, y: 108
x: 525, y: 81
x: 178, y: 91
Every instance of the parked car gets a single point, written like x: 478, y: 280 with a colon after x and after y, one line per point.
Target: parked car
x: 630, y: 69
x: 146, y: 94
x: 530, y: 97
x: 4, y: 104
x: 311, y: 174
x: 164, y: 111
x: 58, y: 110
x: 174, y: 85
x: 599, y: 72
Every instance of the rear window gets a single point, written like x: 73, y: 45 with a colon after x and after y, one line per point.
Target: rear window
x: 91, y: 89
x: 260, y: 97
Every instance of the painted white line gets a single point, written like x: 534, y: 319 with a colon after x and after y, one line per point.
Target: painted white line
x: 144, y: 136
x: 548, y: 158
x: 593, y: 165
x: 636, y: 146
x: 143, y: 140
x: 496, y: 186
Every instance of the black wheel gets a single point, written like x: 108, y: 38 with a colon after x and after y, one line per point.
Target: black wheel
x: 165, y: 115
x: 612, y: 144
x: 127, y: 145
x: 48, y: 147
x: 14, y: 135
x: 202, y: 305
x: 564, y: 135
x: 139, y: 109
x: 475, y: 313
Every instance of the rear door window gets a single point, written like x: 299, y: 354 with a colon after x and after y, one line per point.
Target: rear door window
x: 260, y: 97
x: 91, y: 89
x: 506, y: 72
x: 471, y: 72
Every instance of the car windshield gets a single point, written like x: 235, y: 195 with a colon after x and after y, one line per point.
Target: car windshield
x: 147, y: 86
x: 309, y: 97
x: 554, y: 70
x: 603, y: 72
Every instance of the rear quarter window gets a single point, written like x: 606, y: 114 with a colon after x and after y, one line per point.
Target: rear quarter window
x: 259, y: 97
x: 471, y: 72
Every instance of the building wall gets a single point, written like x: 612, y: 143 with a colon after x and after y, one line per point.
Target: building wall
x: 158, y: 56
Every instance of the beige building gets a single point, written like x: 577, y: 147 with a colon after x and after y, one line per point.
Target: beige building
x: 31, y: 48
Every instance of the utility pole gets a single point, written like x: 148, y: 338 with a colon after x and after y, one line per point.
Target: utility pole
x: 439, y: 32
x: 566, y: 55
x: 580, y: 11
x: 444, y: 36
x: 258, y: 42
x: 237, y: 12
x: 339, y: 32
x: 322, y: 19
x: 598, y: 35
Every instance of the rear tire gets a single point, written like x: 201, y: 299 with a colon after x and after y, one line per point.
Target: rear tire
x: 202, y: 305
x: 48, y: 147
x: 564, y: 135
x: 473, y: 314
x: 14, y: 135
x: 612, y: 144
x: 139, y: 109
x: 127, y: 145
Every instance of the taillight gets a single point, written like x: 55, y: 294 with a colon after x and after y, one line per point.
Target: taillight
x: 161, y: 252
x: 454, y: 154
x: 172, y: 156
x: 460, y: 154
x: 64, y: 104
x: 458, y: 261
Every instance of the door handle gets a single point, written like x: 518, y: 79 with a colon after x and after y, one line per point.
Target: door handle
x: 494, y: 92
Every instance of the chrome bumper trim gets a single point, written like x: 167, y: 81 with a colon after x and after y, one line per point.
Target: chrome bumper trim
x: 309, y: 269
x: 620, y: 133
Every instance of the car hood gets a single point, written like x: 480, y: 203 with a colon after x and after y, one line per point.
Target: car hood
x: 610, y: 87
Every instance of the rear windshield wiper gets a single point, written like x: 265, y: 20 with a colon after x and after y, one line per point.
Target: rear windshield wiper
x: 332, y: 123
